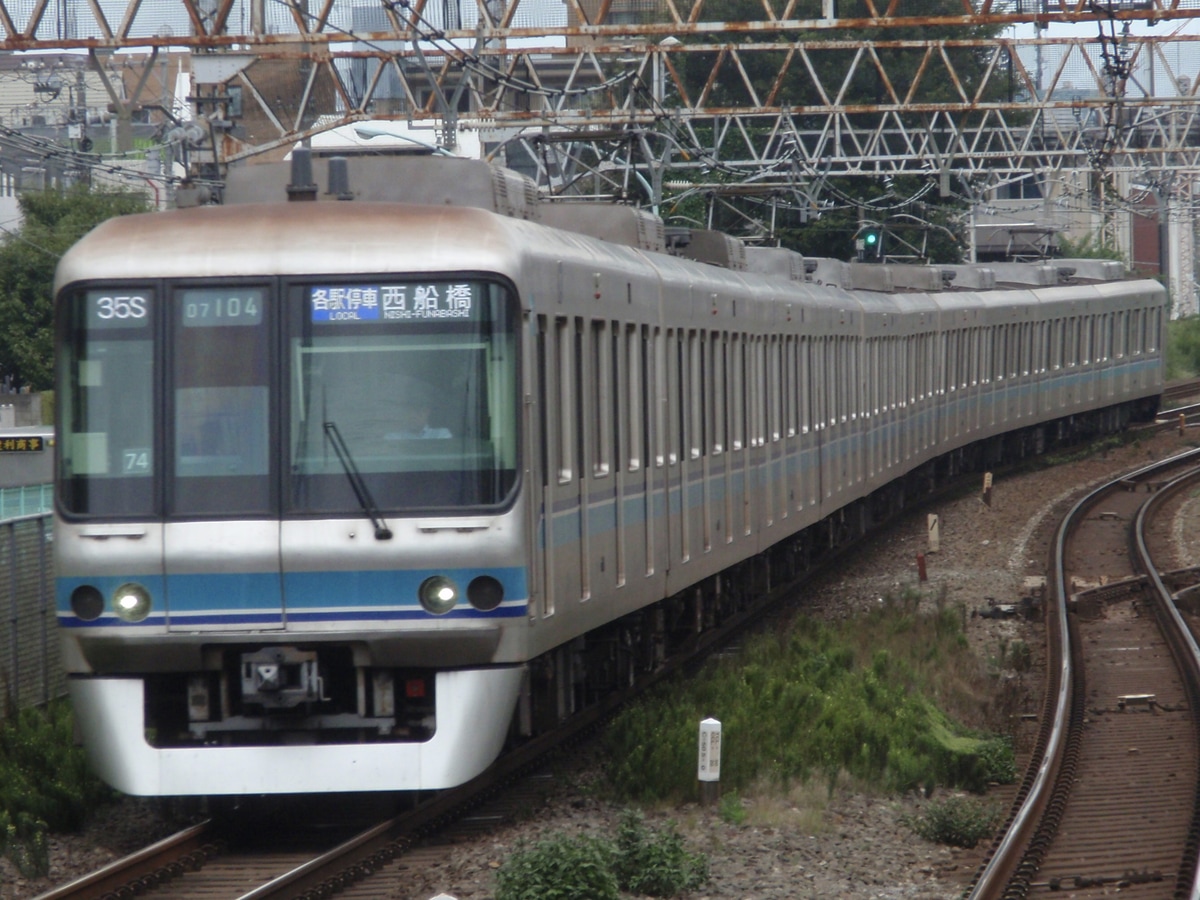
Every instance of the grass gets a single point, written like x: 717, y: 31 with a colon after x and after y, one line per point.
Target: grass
x: 879, y: 699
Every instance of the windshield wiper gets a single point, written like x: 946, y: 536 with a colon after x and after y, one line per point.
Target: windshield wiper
x: 382, y: 532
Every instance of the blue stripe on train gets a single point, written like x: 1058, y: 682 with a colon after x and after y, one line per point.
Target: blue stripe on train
x: 249, y: 598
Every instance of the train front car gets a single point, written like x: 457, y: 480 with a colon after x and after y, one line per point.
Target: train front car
x: 288, y: 533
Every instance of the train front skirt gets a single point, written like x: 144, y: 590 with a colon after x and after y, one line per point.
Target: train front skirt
x: 474, y: 710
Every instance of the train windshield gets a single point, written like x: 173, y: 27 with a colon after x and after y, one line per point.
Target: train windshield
x: 106, y: 452
x: 404, y: 387
x: 195, y: 400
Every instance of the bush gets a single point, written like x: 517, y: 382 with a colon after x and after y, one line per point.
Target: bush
x: 559, y: 869
x: 44, y: 773
x: 45, y: 784
x: 957, y: 821
x: 731, y: 809
x: 641, y: 861
x: 23, y: 840
x: 653, y: 863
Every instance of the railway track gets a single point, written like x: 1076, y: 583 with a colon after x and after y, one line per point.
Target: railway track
x: 389, y: 853
x: 382, y: 858
x: 1110, y: 801
x: 1178, y: 391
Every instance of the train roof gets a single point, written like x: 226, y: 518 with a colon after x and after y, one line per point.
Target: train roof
x: 445, y: 211
x: 440, y: 181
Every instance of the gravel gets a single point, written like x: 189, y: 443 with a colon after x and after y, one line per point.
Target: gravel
x: 814, y: 842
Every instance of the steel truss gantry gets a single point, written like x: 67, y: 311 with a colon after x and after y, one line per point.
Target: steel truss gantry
x: 675, y: 95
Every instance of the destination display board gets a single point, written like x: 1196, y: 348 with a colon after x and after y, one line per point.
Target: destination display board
x: 405, y: 302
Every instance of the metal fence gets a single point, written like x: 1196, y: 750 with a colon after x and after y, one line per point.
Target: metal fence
x: 30, y: 500
x: 31, y: 671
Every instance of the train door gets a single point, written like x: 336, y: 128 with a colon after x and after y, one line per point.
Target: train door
x: 221, y: 538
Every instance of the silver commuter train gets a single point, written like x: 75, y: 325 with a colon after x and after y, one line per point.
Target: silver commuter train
x: 350, y: 493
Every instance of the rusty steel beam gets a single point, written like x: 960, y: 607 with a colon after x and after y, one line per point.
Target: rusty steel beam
x: 201, y: 25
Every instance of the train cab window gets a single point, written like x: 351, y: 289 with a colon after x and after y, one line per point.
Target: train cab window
x: 107, y: 420
x: 220, y: 370
x: 411, y: 383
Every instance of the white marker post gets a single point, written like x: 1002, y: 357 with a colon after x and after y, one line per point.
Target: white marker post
x: 709, y: 769
x: 935, y: 536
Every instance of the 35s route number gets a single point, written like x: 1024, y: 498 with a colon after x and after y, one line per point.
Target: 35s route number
x: 117, y: 308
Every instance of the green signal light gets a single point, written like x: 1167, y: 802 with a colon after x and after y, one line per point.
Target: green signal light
x: 871, y: 237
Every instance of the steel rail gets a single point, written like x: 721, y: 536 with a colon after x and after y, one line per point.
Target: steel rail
x: 1187, y: 653
x: 1034, y: 794
x: 143, y: 869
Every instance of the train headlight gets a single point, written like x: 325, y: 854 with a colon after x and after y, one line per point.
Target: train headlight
x: 87, y: 602
x: 438, y: 594
x: 485, y: 593
x: 131, y: 602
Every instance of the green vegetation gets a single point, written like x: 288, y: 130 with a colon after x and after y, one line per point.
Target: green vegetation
x: 559, y: 869
x: 641, y: 861
x: 52, y: 222
x: 1089, y: 246
x: 1183, y: 348
x: 878, y: 698
x: 45, y: 784
x: 958, y: 821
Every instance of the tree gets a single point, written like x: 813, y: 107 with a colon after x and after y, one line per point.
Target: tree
x: 52, y: 222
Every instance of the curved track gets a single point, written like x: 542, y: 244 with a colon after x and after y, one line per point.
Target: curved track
x: 1110, y: 802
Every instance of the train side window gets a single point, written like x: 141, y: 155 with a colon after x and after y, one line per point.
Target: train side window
x: 601, y: 399
x: 753, y: 385
x: 580, y: 398
x: 819, y: 382
x: 949, y: 351
x: 734, y: 385
x: 717, y: 349
x: 563, y: 400
x: 657, y: 368
x: 804, y: 385
x: 544, y: 410
x: 616, y: 408
x: 905, y: 347
x: 774, y: 388
x: 696, y: 389
x: 789, y: 384
x: 633, y: 399
x: 854, y: 351
x: 837, y: 347
x: 675, y: 409
x: 974, y: 358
